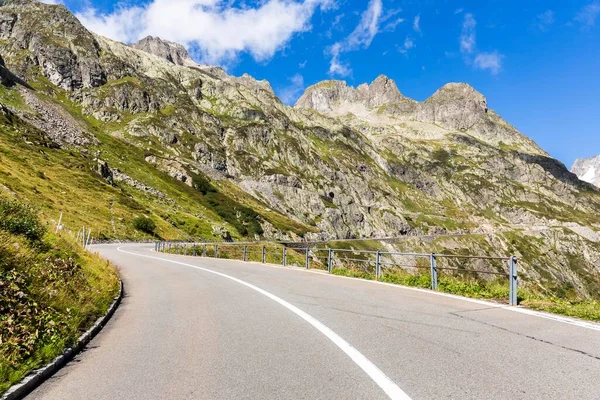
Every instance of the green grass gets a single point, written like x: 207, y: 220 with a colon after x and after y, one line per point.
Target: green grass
x: 589, y: 310
x: 496, y: 290
x: 51, y: 292
x: 52, y: 177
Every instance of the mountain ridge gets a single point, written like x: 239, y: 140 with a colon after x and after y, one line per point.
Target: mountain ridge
x: 212, y: 156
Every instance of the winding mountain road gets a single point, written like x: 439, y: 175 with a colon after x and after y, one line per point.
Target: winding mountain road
x: 196, y: 328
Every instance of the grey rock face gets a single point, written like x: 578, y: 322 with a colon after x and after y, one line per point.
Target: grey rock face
x: 454, y: 106
x: 252, y: 83
x: 327, y: 95
x: 588, y: 170
x: 61, y: 127
x: 172, y: 52
x: 67, y: 63
x: 119, y: 176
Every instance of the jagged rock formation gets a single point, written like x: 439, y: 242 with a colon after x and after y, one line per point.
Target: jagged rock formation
x: 588, y: 170
x: 336, y: 96
x: 344, y: 162
x: 172, y: 52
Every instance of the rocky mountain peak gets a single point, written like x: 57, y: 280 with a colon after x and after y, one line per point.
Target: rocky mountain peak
x: 253, y: 83
x: 588, y: 169
x: 329, y: 95
x: 462, y: 93
x: 170, y: 51
x: 381, y: 91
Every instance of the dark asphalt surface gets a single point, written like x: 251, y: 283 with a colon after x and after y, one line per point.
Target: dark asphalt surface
x: 185, y: 333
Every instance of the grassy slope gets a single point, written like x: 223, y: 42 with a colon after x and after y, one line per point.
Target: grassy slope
x: 53, y: 178
x: 50, y: 292
x: 550, y: 297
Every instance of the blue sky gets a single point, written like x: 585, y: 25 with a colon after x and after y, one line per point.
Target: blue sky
x: 537, y: 61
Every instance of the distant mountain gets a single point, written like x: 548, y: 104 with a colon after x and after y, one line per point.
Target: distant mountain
x: 588, y: 169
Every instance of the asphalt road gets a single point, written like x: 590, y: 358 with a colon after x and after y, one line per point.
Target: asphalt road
x: 251, y: 331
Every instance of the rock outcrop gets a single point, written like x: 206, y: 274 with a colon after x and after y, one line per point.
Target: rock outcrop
x: 172, y: 52
x: 337, y: 97
x: 68, y: 63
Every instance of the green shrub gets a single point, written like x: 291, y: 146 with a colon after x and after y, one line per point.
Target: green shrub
x: 21, y: 219
x: 202, y: 184
x: 145, y: 225
x: 245, y: 220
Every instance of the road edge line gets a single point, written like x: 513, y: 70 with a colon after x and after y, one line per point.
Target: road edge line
x: 385, y: 383
x: 35, y: 378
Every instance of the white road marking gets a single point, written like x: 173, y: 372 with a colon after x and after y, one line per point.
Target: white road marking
x: 381, y: 379
x: 540, y: 314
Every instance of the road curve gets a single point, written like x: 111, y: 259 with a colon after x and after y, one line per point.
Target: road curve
x: 194, y: 328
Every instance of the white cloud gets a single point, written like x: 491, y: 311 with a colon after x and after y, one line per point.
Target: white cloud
x: 408, y: 44
x: 417, y: 24
x: 486, y: 61
x: 467, y: 35
x: 290, y: 94
x: 368, y: 27
x: 391, y: 19
x: 337, y: 67
x: 544, y: 20
x: 588, y: 14
x: 336, y: 25
x: 124, y: 24
x: 361, y: 37
x: 489, y: 61
x: 219, y: 31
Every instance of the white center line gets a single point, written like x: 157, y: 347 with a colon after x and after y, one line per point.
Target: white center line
x: 381, y: 379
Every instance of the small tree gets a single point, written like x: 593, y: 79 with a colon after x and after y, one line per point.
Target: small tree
x: 144, y: 224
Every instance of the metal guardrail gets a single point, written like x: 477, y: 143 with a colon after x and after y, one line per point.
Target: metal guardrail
x: 367, y: 260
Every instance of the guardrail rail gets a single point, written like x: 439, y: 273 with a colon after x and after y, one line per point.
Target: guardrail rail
x: 373, y: 262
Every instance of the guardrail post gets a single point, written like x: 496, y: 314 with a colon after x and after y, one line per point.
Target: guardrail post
x: 204, y: 251
x: 216, y: 251
x: 307, y: 258
x: 194, y: 250
x: 434, y: 272
x: 245, y: 253
x: 378, y: 265
x: 263, y: 254
x: 330, y: 261
x: 185, y: 249
x: 512, y: 276
x: 284, y: 261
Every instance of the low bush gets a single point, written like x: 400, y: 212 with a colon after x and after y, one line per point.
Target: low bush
x: 245, y: 220
x: 145, y: 225
x: 21, y: 219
